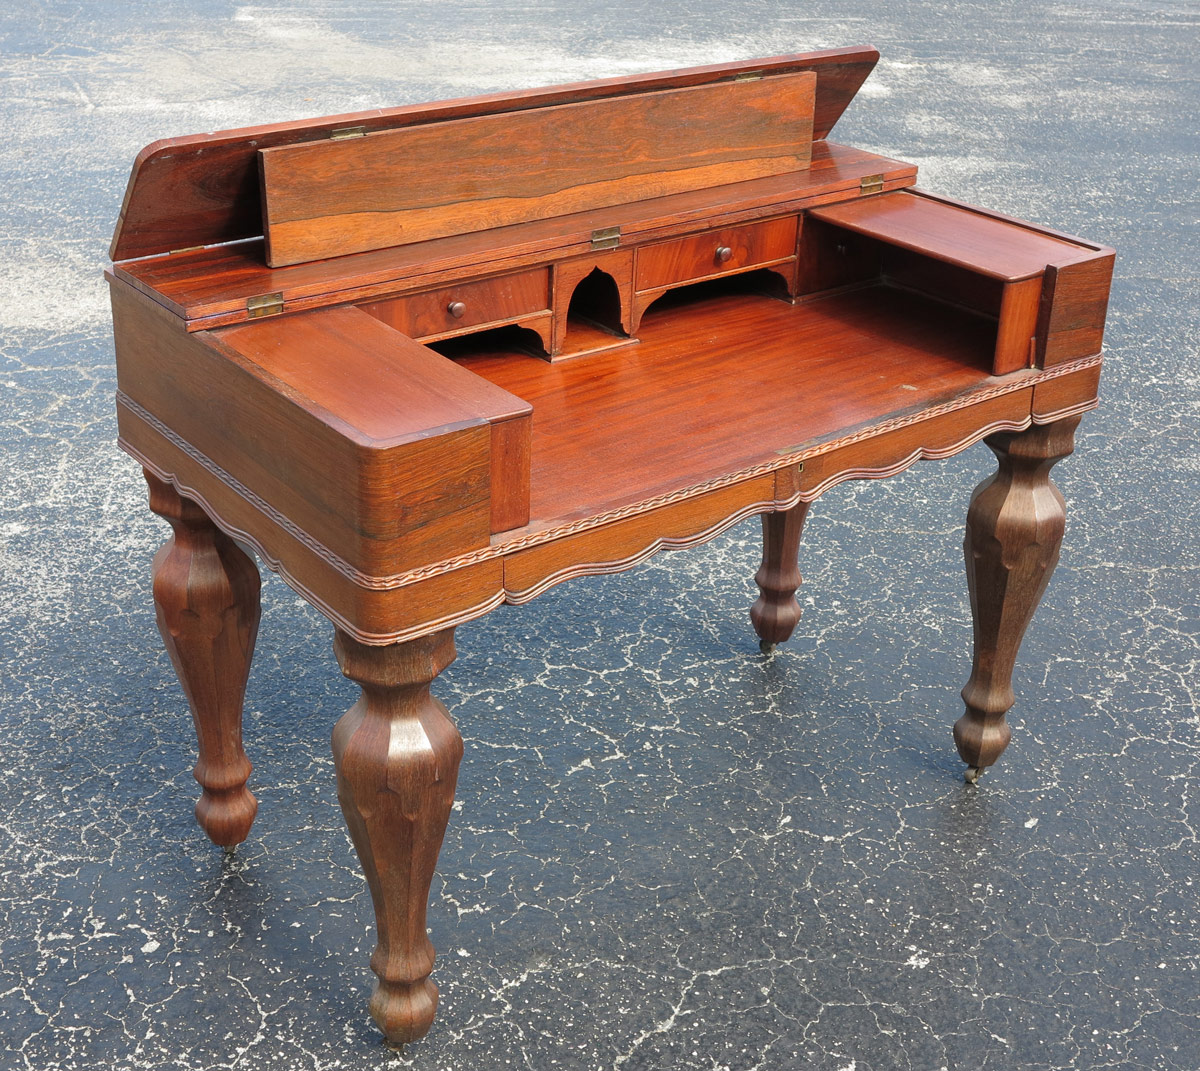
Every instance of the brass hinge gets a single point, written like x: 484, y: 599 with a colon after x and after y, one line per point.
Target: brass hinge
x: 606, y: 238
x: 348, y: 132
x: 871, y: 184
x: 264, y: 305
x: 186, y: 249
x: 748, y: 76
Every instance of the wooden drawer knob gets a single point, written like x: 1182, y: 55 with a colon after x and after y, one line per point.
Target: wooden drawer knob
x: 456, y: 309
x: 723, y: 253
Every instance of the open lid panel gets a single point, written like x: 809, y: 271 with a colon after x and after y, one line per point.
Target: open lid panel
x: 330, y: 198
x: 204, y: 189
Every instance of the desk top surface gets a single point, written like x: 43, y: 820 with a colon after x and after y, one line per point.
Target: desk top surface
x: 725, y: 382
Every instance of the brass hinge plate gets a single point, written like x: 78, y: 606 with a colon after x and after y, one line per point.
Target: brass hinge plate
x: 871, y: 184
x: 606, y: 238
x: 748, y: 76
x: 348, y: 132
x: 264, y: 305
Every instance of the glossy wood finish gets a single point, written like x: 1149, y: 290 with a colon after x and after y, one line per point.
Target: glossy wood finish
x: 776, y: 613
x: 1014, y: 530
x: 1016, y: 326
x: 210, y: 287
x: 715, y: 252
x: 951, y: 233
x: 919, y: 241
x: 762, y: 376
x: 327, y: 199
x: 388, y: 460
x: 206, y: 602
x: 404, y: 491
x: 620, y: 542
x: 397, y: 754
x: 203, y: 189
x: 465, y: 306
x: 1073, y: 311
x: 617, y: 265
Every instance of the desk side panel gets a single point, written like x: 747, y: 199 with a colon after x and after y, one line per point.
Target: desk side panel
x: 1074, y: 308
x: 371, y: 613
x: 376, y: 508
x: 373, y: 378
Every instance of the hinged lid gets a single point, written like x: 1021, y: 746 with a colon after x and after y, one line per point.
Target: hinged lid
x: 461, y: 176
x: 264, y: 305
x: 204, y: 189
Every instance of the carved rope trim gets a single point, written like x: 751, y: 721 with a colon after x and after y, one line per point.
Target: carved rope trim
x: 450, y: 620
x: 620, y: 565
x: 234, y: 484
x: 784, y: 461
x: 936, y: 453
x: 501, y: 549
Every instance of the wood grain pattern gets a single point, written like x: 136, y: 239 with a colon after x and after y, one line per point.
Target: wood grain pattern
x: 404, y: 493
x: 617, y: 264
x: 938, y: 431
x: 376, y: 608
x: 1014, y: 530
x: 206, y: 603
x: 1073, y: 312
x: 829, y: 257
x: 622, y: 545
x: 434, y: 314
x: 397, y: 754
x: 328, y: 199
x: 762, y: 376
x: 210, y: 287
x: 951, y: 233
x: 699, y: 256
x: 203, y: 189
x: 882, y: 451
x: 776, y: 613
x: 1016, y: 325
x: 946, y: 282
x: 1066, y: 395
x: 376, y: 482
x: 1034, y: 325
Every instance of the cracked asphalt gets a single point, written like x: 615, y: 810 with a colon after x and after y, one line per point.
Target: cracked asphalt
x: 667, y: 851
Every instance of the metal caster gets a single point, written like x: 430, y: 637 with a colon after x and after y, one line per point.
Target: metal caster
x: 973, y: 774
x: 766, y: 646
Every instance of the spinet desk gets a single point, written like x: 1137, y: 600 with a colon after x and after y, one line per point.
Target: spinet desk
x: 432, y: 360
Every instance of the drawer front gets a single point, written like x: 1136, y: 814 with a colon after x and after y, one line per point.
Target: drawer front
x: 466, y: 304
x: 715, y: 252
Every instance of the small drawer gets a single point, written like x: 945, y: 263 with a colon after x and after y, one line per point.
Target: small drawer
x: 701, y: 256
x: 454, y: 308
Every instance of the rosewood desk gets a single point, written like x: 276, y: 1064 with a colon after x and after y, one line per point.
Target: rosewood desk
x: 431, y: 360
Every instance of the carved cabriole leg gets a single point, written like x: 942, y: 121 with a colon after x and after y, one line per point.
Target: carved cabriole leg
x: 397, y: 754
x: 1014, y: 530
x: 776, y: 613
x: 206, y: 600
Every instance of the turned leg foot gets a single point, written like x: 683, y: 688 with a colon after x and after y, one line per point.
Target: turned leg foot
x: 397, y: 754
x: 776, y: 612
x: 206, y: 601
x: 1014, y: 531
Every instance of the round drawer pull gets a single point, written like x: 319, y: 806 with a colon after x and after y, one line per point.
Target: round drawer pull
x: 723, y: 253
x: 456, y: 309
